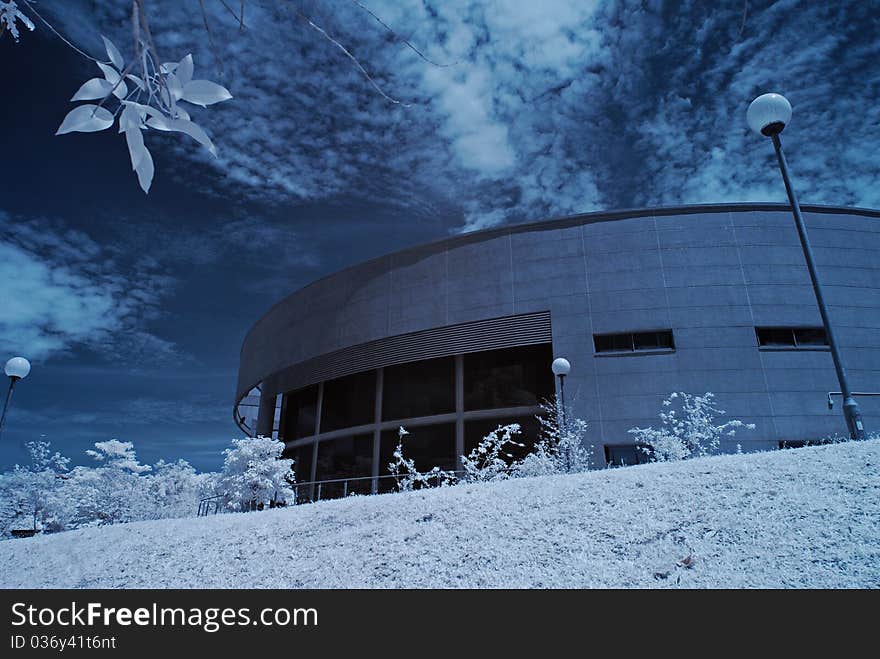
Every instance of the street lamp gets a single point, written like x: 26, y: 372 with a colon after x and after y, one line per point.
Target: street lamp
x: 561, y: 368
x: 768, y: 115
x: 16, y: 368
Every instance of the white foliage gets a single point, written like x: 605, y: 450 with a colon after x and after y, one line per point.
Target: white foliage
x: 254, y: 474
x: 154, y: 101
x: 408, y: 476
x: 87, y: 118
x: 561, y: 446
x: 687, y: 432
x: 9, y: 14
x: 29, y: 494
x: 491, y: 460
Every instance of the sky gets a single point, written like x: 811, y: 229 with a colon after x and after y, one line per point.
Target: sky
x: 132, y: 307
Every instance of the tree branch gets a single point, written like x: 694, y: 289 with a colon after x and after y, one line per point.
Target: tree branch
x: 397, y: 37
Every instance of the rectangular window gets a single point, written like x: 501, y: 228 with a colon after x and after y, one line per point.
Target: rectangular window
x: 621, y: 455
x: 298, y: 413
x: 345, y: 458
x: 634, y: 341
x: 510, y: 377
x: 349, y: 401
x: 422, y: 388
x: 791, y: 337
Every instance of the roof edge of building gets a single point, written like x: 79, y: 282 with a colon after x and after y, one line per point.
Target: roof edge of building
x: 569, y: 220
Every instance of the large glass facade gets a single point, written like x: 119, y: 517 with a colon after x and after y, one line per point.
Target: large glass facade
x: 422, y: 388
x: 492, y: 388
x: 298, y: 413
x: 345, y: 459
x: 349, y: 401
x: 512, y: 377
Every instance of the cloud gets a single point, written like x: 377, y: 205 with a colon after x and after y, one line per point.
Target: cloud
x: 546, y: 108
x: 62, y: 289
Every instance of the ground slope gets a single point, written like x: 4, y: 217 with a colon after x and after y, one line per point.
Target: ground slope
x: 796, y: 518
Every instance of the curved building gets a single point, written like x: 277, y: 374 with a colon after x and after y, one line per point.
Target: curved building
x: 451, y: 338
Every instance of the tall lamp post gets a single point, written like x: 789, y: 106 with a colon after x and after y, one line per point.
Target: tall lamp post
x: 768, y: 115
x: 16, y: 368
x: 561, y: 368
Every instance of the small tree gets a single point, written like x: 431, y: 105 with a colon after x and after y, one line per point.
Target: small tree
x: 31, y: 493
x: 115, y: 491
x: 561, y: 447
x: 255, y: 475
x: 688, y: 432
x: 487, y: 461
x: 408, y: 477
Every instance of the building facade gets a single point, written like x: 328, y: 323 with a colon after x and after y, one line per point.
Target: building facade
x: 455, y: 337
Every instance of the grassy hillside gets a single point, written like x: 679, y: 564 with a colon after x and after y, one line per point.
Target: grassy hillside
x: 797, y: 518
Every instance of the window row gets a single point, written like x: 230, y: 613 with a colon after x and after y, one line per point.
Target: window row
x: 768, y: 337
x: 511, y: 377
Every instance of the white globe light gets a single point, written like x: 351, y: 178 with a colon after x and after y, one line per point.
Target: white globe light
x: 18, y: 367
x: 769, y: 114
x: 560, y: 366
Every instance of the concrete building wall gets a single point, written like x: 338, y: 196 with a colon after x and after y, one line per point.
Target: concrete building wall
x: 711, y: 274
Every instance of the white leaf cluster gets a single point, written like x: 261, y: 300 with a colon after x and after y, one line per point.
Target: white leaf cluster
x: 155, y: 100
x: 46, y: 496
x: 408, y: 477
x: 9, y: 14
x: 491, y: 460
x: 689, y: 431
x: 562, y: 444
x: 255, y: 475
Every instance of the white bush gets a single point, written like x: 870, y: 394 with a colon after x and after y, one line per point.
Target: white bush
x: 490, y: 459
x: 687, y: 432
x: 561, y: 446
x: 407, y: 476
x: 255, y: 475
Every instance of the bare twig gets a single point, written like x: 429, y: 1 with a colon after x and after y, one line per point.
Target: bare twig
x: 237, y: 17
x: 349, y: 55
x: 211, y: 44
x: 58, y: 34
x: 742, y: 27
x: 151, y: 50
x: 397, y: 37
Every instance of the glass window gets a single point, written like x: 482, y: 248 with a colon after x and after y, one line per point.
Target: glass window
x: 349, y: 401
x: 652, y: 340
x: 475, y: 431
x: 791, y: 337
x: 302, y: 467
x: 345, y: 458
x: 621, y: 455
x: 428, y: 446
x: 775, y: 336
x: 419, y: 388
x: 613, y: 342
x: 810, y: 336
x: 511, y: 377
x: 298, y: 413
x: 634, y: 341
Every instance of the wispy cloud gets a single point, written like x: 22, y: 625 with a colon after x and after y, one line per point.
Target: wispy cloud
x: 62, y: 290
x: 548, y: 108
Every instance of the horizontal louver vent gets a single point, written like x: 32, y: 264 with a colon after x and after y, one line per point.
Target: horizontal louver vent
x: 506, y: 332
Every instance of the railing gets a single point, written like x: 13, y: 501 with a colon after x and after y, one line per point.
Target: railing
x: 336, y: 488
x: 331, y: 488
x: 209, y: 504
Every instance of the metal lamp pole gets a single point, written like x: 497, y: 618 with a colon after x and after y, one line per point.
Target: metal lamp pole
x: 768, y: 115
x: 561, y: 367
x: 16, y: 368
